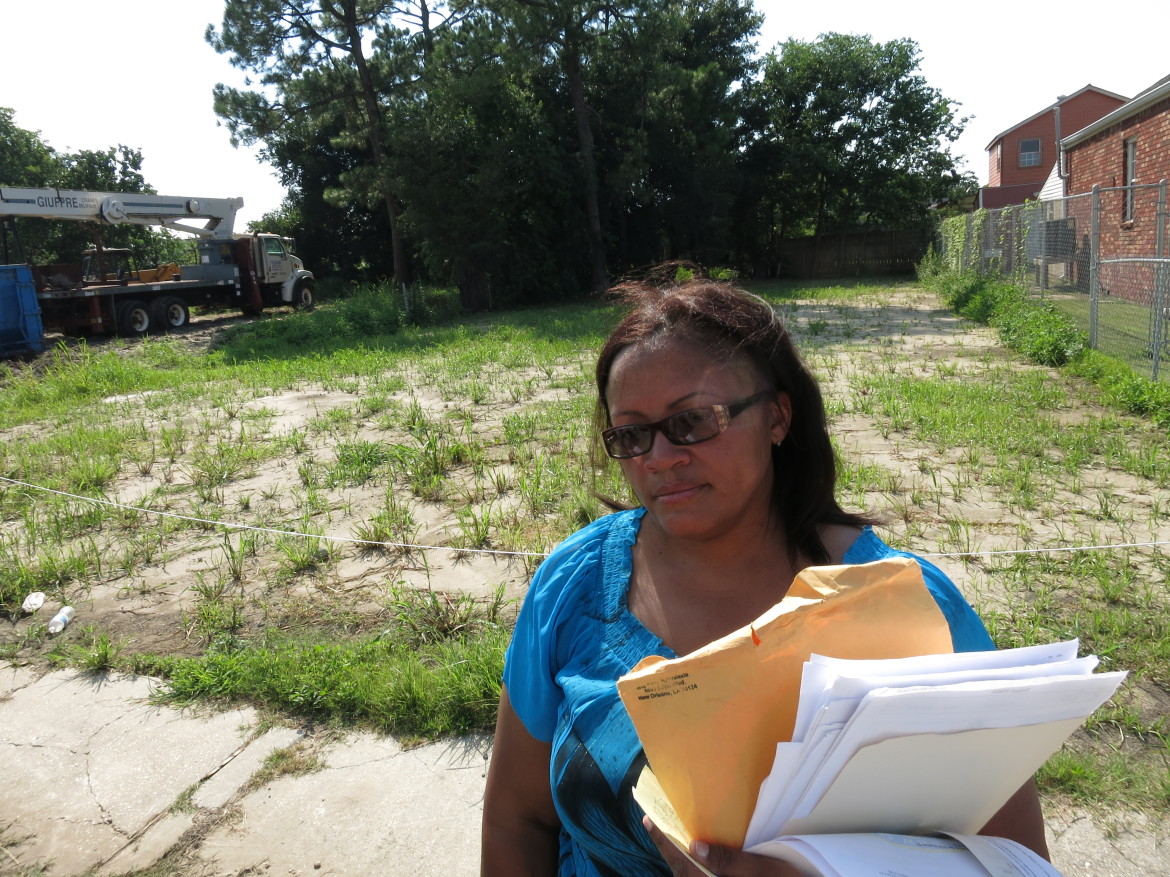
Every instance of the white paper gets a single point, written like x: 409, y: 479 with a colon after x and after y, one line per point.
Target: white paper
x: 903, y: 773
x: 898, y: 745
x: 1006, y: 858
x: 987, y: 660
x: 881, y: 855
x: 889, y: 712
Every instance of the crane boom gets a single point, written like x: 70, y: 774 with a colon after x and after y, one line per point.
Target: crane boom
x: 115, y: 208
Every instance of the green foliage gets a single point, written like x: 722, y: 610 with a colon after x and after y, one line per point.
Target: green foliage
x: 1032, y: 327
x: 312, y: 61
x: 516, y: 149
x: 1124, y: 388
x: 424, y: 617
x: 1039, y: 331
x: 848, y: 131
x: 370, y: 313
x: 447, y: 687
x: 97, y: 654
x: 25, y: 159
x: 1035, y: 328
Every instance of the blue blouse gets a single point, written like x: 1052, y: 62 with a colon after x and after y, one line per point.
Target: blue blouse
x: 574, y: 637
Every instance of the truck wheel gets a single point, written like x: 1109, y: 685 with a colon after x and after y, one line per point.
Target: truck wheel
x: 169, y: 312
x: 133, y: 318
x: 303, y: 295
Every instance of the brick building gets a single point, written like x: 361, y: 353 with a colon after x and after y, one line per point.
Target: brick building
x: 1127, y: 151
x: 1021, y: 158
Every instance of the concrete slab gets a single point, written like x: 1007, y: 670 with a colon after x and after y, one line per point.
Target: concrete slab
x: 88, y: 764
x: 13, y: 678
x: 91, y: 773
x: 152, y: 845
x: 1125, y: 845
x: 374, y: 809
x: 219, y: 789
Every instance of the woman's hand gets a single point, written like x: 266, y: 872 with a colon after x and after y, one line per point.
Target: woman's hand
x: 721, y: 861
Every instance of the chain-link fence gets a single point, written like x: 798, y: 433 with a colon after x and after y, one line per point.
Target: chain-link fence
x: 1102, y: 258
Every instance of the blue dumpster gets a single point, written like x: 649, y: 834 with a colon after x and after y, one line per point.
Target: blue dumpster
x: 21, y: 331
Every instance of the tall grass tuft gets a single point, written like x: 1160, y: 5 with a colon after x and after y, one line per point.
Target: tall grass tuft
x: 443, y: 688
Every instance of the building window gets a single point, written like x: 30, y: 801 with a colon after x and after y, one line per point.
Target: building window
x: 1130, y: 178
x: 1030, y: 153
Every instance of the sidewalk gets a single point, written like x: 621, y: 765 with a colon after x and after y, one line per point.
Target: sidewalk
x: 96, y: 778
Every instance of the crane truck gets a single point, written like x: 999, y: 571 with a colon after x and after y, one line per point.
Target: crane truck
x: 245, y: 271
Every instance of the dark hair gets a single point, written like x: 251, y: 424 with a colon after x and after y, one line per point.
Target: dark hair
x: 730, y: 323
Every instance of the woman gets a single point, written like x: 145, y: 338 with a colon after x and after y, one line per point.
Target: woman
x: 720, y: 430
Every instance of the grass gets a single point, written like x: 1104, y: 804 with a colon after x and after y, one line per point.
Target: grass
x: 1123, y: 329
x: 296, y: 760
x: 442, y: 688
x: 475, y: 436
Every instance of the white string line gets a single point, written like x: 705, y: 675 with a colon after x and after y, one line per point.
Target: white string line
x: 233, y: 526
x: 1046, y: 550
x: 412, y: 546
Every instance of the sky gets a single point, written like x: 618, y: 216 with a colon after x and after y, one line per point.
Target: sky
x: 89, y: 75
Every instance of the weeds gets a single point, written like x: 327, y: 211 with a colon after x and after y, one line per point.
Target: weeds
x: 424, y: 617
x: 979, y: 451
x: 303, y: 553
x: 99, y: 654
x: 393, y: 523
x: 449, y: 687
x: 218, y: 614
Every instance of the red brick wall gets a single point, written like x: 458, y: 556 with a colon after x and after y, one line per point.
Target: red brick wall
x: 1075, y: 113
x: 1100, y: 161
x: 1085, y: 109
x: 1042, y: 128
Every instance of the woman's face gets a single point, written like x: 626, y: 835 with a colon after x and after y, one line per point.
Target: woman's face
x: 706, y: 490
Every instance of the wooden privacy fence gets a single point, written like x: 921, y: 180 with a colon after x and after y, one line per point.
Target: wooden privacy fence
x: 854, y: 254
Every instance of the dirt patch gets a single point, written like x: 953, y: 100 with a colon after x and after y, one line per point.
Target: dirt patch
x: 312, y: 472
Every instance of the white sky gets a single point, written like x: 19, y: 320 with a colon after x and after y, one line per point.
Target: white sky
x: 88, y: 75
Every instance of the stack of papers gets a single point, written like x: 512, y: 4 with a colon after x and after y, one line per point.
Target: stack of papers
x: 755, y: 737
x: 888, y: 754
x: 915, y: 745
x: 882, y: 855
x: 710, y: 721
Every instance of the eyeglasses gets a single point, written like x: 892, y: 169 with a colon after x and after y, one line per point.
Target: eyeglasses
x: 685, y: 428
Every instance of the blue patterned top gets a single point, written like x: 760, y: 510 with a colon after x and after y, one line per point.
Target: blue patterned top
x: 575, y: 636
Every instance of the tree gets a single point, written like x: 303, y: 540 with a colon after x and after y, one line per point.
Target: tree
x: 641, y: 95
x: 846, y: 131
x: 668, y: 99
x: 338, y: 237
x: 311, y: 59
x: 570, y: 28
x: 486, y: 177
x: 25, y: 159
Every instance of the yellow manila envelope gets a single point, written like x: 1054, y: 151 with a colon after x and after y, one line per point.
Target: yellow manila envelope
x: 710, y: 721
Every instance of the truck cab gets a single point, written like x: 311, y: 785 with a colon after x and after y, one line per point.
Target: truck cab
x: 277, y: 264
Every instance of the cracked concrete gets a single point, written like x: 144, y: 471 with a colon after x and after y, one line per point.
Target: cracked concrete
x: 96, y: 780
x: 88, y: 763
x: 99, y: 780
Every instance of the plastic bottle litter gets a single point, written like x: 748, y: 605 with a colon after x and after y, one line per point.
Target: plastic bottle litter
x: 61, y: 619
x: 33, y: 601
